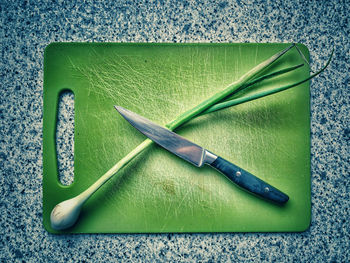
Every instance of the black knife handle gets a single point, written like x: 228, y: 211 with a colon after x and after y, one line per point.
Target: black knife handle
x: 249, y: 182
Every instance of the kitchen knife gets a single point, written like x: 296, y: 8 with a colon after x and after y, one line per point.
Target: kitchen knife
x: 198, y: 156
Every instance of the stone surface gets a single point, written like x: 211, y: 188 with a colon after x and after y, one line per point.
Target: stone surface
x: 28, y: 26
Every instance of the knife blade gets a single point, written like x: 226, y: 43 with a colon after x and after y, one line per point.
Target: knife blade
x: 199, y: 156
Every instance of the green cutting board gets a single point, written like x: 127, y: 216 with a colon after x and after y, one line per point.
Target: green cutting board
x: 157, y: 191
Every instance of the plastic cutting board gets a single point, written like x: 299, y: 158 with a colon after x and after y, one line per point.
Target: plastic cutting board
x: 157, y: 191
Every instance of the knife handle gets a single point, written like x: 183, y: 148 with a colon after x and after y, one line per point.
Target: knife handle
x: 249, y: 182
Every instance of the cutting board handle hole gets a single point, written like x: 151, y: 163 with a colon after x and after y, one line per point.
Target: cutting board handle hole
x: 65, y: 137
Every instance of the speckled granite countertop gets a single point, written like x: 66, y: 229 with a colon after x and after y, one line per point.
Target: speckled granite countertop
x: 28, y: 26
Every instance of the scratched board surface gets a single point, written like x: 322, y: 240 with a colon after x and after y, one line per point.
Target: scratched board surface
x: 157, y: 191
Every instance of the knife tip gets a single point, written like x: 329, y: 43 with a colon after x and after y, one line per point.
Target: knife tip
x: 118, y: 108
x: 122, y: 111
